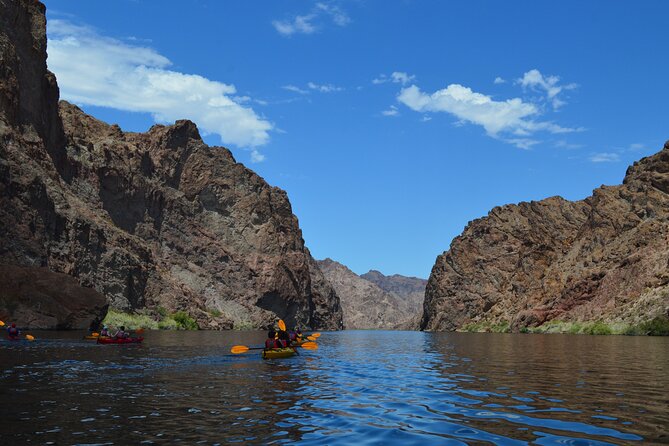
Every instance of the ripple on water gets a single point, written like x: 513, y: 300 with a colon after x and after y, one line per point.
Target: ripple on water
x: 426, y: 389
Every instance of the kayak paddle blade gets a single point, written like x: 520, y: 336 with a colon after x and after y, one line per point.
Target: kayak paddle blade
x: 310, y: 346
x: 316, y: 335
x: 239, y: 349
x: 30, y: 337
x: 282, y: 325
x: 312, y: 338
x: 2, y: 324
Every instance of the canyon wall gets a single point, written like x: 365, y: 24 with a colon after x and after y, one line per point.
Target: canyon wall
x: 605, y: 258
x: 152, y: 221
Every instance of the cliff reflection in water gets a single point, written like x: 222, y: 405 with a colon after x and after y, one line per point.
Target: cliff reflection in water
x: 360, y: 386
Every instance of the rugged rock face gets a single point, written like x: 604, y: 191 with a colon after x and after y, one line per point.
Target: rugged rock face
x: 156, y: 219
x: 38, y: 298
x: 393, y: 305
x: 604, y: 258
x: 409, y: 289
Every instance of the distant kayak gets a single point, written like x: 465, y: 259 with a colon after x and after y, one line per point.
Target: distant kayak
x: 91, y: 337
x: 120, y: 341
x: 278, y: 353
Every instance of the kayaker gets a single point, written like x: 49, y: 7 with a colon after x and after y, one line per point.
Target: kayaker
x: 292, y: 335
x: 121, y: 333
x: 95, y: 325
x: 12, y: 331
x: 104, y: 332
x: 271, y: 341
x: 284, y: 339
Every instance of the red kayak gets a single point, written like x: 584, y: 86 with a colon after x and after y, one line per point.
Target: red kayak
x: 103, y: 340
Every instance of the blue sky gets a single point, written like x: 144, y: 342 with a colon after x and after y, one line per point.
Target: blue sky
x: 390, y: 124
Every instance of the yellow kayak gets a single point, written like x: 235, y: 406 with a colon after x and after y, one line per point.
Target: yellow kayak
x: 91, y: 337
x: 278, y: 353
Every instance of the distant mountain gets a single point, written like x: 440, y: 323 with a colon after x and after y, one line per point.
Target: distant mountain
x: 410, y: 289
x: 375, y: 301
x: 602, y: 259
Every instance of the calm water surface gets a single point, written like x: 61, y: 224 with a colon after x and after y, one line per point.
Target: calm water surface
x: 359, y: 387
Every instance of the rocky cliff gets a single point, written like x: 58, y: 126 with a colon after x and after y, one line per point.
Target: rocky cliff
x: 375, y: 301
x: 409, y: 289
x: 605, y: 258
x: 150, y: 220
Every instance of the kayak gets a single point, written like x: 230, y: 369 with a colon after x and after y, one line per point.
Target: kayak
x: 91, y: 337
x: 104, y: 340
x: 278, y: 353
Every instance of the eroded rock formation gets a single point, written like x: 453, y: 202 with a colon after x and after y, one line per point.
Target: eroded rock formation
x: 156, y: 219
x: 603, y: 258
x: 375, y: 301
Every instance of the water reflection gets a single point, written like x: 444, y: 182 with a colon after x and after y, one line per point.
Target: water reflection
x: 359, y: 387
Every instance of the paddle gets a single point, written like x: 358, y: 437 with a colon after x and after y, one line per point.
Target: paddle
x: 30, y: 338
x: 243, y: 349
x: 2, y: 324
x: 282, y: 325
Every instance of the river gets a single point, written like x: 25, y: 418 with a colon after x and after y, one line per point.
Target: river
x: 359, y: 387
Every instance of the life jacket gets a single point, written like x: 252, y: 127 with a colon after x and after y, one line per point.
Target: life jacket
x: 282, y: 343
x: 292, y: 336
x: 13, y: 331
x: 271, y: 343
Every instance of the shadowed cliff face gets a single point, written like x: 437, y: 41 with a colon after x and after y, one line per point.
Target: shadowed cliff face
x: 604, y: 258
x: 156, y: 219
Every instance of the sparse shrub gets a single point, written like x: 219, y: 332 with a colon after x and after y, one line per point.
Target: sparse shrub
x: 184, y: 321
x: 597, y: 328
x: 213, y: 312
x: 658, y: 326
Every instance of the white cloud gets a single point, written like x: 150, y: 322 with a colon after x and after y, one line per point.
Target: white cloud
x: 327, y: 88
x: 397, y: 77
x: 535, y: 80
x: 392, y: 111
x: 295, y: 89
x: 562, y: 144
x: 101, y: 71
x: 257, y: 157
x: 339, y: 17
x: 512, y: 120
x: 605, y: 157
x: 401, y: 78
x: 299, y: 24
x: 499, y: 80
x: 306, y: 24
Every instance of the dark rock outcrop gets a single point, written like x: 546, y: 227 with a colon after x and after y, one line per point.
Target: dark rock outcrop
x: 149, y: 220
x: 605, y: 258
x: 375, y: 301
x: 38, y: 298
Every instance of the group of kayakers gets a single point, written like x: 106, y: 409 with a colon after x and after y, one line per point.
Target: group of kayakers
x: 282, y: 338
x: 103, y: 329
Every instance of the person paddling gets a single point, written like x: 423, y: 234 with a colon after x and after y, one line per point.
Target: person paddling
x: 13, y: 332
x: 95, y: 325
x: 284, y: 339
x: 271, y: 341
x: 121, y: 333
x: 104, y: 333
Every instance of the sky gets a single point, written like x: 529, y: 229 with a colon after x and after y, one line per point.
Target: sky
x: 390, y: 124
